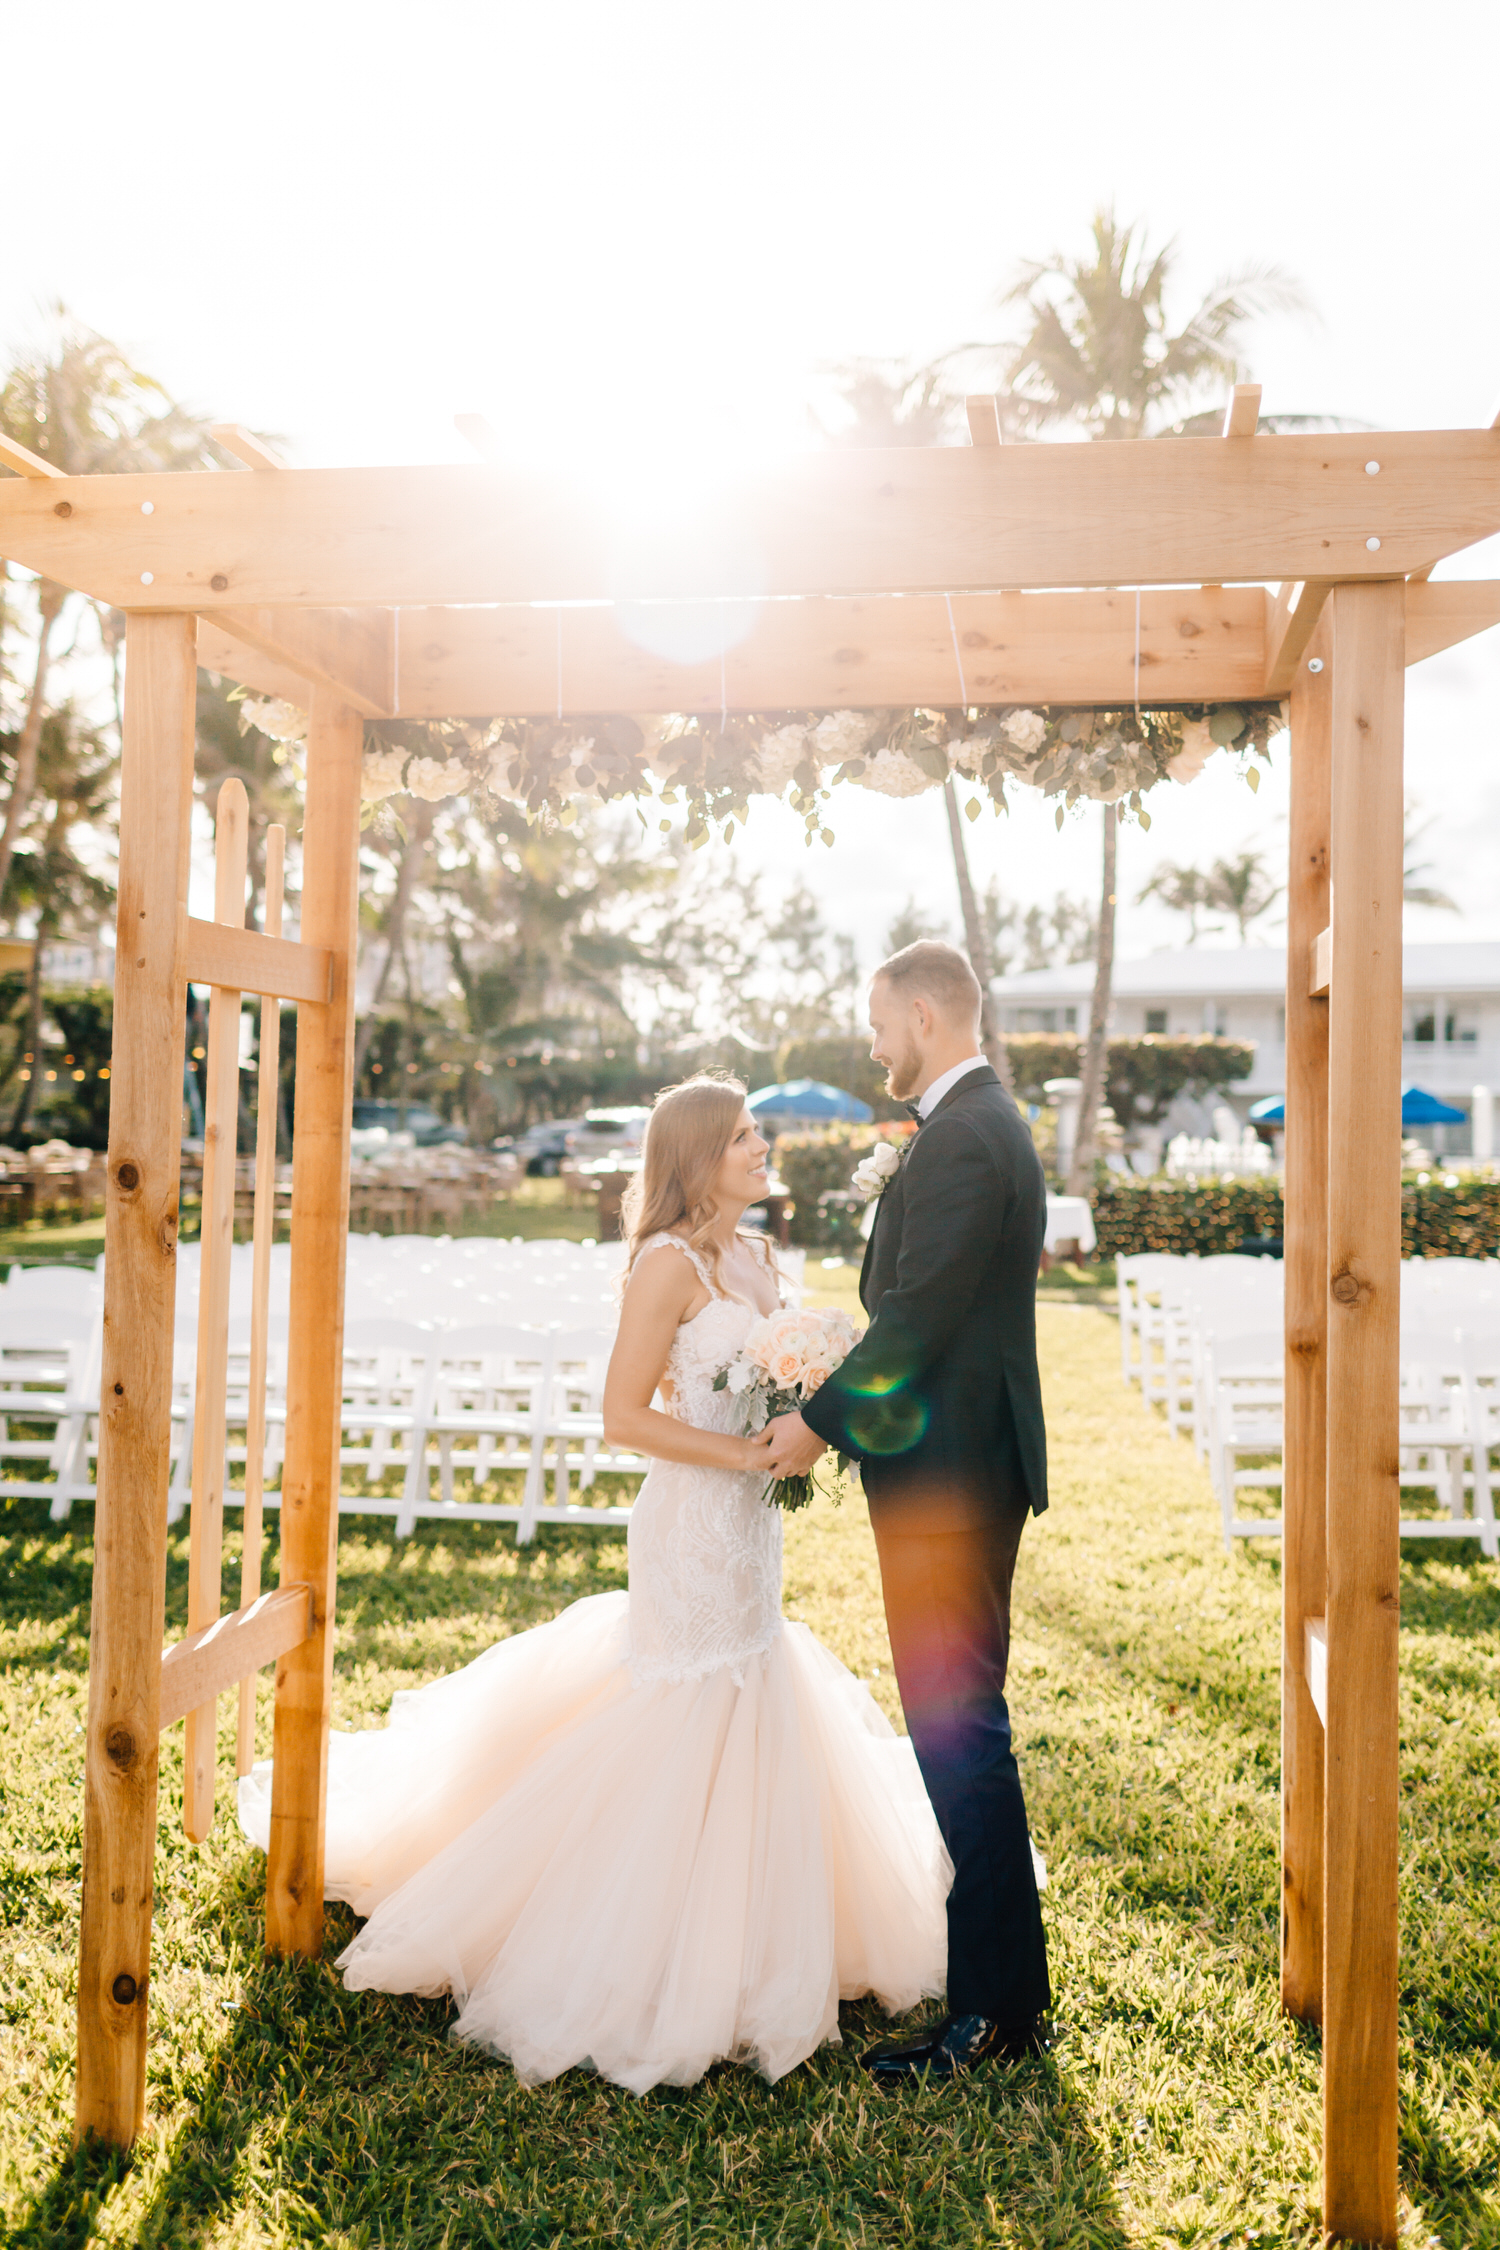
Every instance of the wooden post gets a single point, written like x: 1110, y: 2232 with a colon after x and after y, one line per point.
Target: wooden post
x: 1304, y: 1491
x: 263, y: 1236
x: 1364, y: 1543
x: 130, y: 1511
x: 320, y: 1221
x: 221, y: 1118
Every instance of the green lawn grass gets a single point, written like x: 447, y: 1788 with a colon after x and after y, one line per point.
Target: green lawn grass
x: 1179, y: 2108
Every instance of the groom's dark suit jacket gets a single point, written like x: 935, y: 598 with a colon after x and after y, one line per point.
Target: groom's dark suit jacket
x: 940, y: 1401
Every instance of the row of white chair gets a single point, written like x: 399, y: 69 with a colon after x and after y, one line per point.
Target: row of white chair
x: 1204, y: 1339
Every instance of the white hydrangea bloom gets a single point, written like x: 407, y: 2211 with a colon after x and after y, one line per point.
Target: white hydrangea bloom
x: 380, y: 775
x: 890, y: 774
x: 839, y: 735
x: 435, y: 778
x: 1026, y: 729
x: 777, y: 758
x: 1198, y: 746
x: 283, y: 722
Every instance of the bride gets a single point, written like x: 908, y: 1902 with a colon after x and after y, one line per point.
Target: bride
x: 667, y: 1829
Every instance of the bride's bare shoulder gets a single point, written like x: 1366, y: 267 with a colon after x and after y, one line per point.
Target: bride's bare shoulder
x: 659, y: 1280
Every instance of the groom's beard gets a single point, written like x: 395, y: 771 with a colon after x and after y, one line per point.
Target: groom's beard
x: 903, y: 1072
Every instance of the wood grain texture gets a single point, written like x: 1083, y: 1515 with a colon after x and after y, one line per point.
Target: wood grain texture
x: 1364, y: 1268
x: 1320, y: 965
x: 130, y: 1510
x: 982, y: 413
x: 267, y: 1108
x: 221, y: 1117
x: 1304, y: 1497
x: 1195, y: 645
x: 235, y: 660
x: 206, y: 1664
x: 347, y: 650
x: 907, y: 519
x: 1291, y: 621
x: 320, y: 1222
x: 255, y: 961
x: 1438, y: 617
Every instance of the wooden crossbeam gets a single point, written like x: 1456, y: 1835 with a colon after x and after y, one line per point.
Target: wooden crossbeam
x: 24, y: 461
x: 1291, y: 621
x: 245, y: 446
x: 1315, y: 1664
x: 248, y: 961
x: 197, y: 1670
x: 236, y: 660
x: 1195, y: 645
x: 983, y: 413
x: 1438, y: 617
x: 1242, y: 415
x: 1320, y: 970
x: 904, y: 519
x: 351, y: 651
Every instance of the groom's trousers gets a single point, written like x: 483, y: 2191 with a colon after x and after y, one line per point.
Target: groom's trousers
x: 947, y: 1605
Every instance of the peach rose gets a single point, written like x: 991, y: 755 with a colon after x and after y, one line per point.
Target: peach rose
x: 786, y: 1367
x: 814, y: 1380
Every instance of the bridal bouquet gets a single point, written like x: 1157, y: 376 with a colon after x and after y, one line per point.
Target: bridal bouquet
x: 783, y: 1360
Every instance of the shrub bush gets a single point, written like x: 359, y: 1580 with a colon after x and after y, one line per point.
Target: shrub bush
x: 817, y: 1164
x: 1202, y: 1218
x: 1143, y: 1076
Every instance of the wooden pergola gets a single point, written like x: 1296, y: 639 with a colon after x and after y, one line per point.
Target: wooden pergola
x: 1204, y: 572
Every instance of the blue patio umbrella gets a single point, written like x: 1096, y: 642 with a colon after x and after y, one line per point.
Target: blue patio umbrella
x: 1418, y: 1107
x: 809, y: 1097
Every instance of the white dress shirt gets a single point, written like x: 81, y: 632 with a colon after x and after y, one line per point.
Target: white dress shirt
x: 928, y: 1102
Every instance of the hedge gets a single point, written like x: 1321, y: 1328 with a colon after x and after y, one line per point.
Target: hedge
x: 1201, y: 1218
x: 813, y: 1165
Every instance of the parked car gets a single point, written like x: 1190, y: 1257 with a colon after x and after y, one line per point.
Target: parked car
x: 425, y: 1126
x: 541, y: 1148
x: 607, y: 1132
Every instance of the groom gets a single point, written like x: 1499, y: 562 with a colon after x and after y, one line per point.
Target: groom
x: 941, y: 1405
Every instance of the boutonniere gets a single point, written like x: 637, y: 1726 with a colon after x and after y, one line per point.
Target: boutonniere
x: 876, y: 1169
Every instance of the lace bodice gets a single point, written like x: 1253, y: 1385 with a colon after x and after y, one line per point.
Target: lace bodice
x: 705, y: 1548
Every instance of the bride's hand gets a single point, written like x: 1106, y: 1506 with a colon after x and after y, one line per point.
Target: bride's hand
x: 758, y: 1449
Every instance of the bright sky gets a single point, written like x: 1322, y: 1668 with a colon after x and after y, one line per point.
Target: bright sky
x: 613, y: 228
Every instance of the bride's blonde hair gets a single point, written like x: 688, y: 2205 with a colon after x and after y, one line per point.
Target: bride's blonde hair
x: 688, y: 1131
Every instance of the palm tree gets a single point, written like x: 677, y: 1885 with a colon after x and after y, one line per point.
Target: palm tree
x: 1242, y: 888
x: 1099, y: 350
x: 79, y: 403
x: 1181, y: 889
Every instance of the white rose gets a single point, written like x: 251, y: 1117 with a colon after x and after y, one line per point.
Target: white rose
x: 1198, y: 746
x: 380, y: 775
x: 1026, y: 729
x: 435, y: 778
x: 890, y: 774
x: 885, y: 1157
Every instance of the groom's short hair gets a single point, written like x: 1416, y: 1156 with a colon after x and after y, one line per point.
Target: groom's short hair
x: 930, y: 970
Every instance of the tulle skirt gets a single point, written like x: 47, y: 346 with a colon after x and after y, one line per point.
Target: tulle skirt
x: 639, y: 1879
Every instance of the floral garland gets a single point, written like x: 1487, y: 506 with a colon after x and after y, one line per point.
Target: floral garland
x: 712, y: 770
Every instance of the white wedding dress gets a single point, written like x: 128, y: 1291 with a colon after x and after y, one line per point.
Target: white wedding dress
x: 665, y: 1830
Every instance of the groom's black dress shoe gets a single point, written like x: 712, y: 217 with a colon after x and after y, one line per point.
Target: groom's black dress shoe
x: 954, y: 2044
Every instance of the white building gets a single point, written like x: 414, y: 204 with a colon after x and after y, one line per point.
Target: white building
x: 1451, y: 1027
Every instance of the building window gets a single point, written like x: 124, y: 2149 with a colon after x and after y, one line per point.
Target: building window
x: 1424, y: 1028
x: 1156, y: 1023
x: 1215, y: 1020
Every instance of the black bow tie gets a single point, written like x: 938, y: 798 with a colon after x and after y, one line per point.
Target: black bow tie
x: 913, y: 1109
